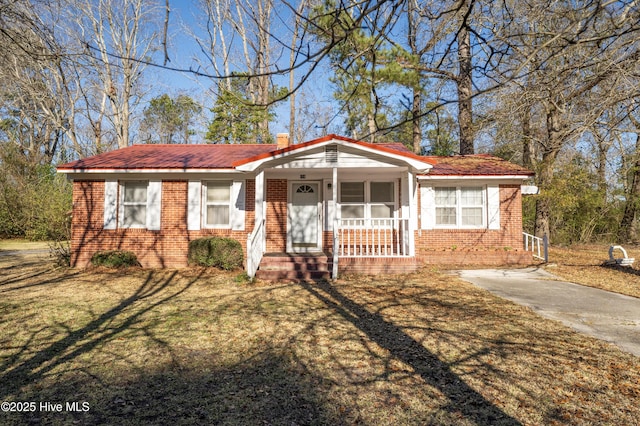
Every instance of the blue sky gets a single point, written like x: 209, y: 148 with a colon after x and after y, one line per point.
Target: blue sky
x: 183, y: 50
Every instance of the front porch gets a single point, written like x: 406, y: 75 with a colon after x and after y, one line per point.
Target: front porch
x: 356, y: 245
x: 344, y: 199
x: 297, y: 218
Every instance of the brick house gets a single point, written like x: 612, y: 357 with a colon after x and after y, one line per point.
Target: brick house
x: 333, y: 204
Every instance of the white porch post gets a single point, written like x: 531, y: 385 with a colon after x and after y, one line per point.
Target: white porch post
x: 336, y: 216
x: 259, y: 207
x: 413, y: 213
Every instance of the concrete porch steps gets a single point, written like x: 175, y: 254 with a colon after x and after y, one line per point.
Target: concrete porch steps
x: 287, y: 266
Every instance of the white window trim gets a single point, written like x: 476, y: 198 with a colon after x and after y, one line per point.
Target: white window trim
x: 124, y: 204
x: 205, y: 204
x: 153, y: 205
x: 110, y: 204
x: 459, y: 208
x: 196, y: 205
x: 367, y: 203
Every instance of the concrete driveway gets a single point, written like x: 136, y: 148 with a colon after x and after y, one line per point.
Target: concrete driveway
x: 608, y: 316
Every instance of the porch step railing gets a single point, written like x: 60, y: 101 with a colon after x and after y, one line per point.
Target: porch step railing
x: 255, y: 249
x: 538, y: 246
x: 381, y: 237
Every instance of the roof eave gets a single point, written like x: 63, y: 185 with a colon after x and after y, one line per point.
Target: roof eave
x: 474, y: 176
x: 168, y: 171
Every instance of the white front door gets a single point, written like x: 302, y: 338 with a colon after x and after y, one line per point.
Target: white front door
x: 304, y: 217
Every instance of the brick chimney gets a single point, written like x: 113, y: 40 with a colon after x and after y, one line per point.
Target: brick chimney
x: 282, y: 139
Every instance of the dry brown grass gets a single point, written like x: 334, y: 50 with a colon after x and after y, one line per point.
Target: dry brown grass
x: 195, y: 347
x: 583, y: 264
x: 20, y: 244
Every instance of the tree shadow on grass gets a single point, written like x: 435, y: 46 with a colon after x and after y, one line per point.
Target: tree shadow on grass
x: 17, y: 269
x: 631, y: 270
x: 19, y: 371
x: 192, y: 387
x: 463, y: 400
x: 267, y: 389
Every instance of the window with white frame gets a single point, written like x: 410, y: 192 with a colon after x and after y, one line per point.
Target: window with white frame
x: 460, y: 207
x: 217, y: 204
x: 472, y: 204
x: 134, y: 204
x: 367, y: 200
x: 446, y: 206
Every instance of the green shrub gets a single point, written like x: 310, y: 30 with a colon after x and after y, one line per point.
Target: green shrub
x: 35, y: 202
x: 223, y: 253
x: 114, y: 259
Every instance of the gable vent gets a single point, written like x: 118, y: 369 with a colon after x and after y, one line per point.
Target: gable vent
x: 331, y: 153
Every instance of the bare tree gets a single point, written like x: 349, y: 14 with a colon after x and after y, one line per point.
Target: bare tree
x: 628, y: 231
x: 119, y: 38
x: 37, y: 90
x: 567, y: 61
x: 238, y: 44
x: 464, y: 79
x: 292, y: 61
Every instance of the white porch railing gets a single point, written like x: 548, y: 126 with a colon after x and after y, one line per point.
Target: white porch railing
x: 380, y: 237
x: 255, y: 249
x: 536, y: 245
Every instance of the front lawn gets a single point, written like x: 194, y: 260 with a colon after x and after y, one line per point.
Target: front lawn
x: 22, y: 244
x: 583, y: 264
x: 194, y: 347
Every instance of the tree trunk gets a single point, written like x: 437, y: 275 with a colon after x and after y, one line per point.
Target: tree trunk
x: 602, y: 168
x: 373, y: 129
x: 264, y: 83
x: 544, y: 202
x: 292, y: 103
x: 545, y: 172
x: 627, y: 231
x: 416, y: 119
x: 416, y: 112
x: 528, y: 154
x: 292, y: 81
x: 465, y: 87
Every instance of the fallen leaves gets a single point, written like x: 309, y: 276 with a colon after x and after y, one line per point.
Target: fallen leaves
x: 179, y: 346
x: 584, y: 264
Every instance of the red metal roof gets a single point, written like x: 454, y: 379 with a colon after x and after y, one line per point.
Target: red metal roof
x: 476, y: 165
x: 213, y: 156
x: 208, y: 156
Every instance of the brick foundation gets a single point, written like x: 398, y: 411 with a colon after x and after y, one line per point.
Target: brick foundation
x: 380, y: 265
